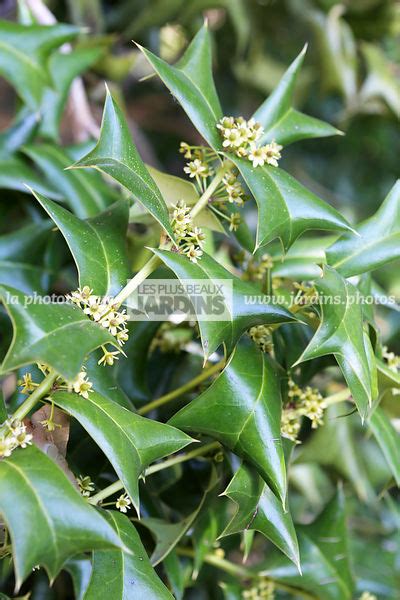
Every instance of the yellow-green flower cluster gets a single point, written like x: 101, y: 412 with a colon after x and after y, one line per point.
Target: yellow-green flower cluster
x: 234, y: 191
x: 262, y: 336
x: 241, y: 137
x: 190, y: 239
x: 393, y: 361
x: 255, y: 269
x: 15, y: 437
x: 368, y: 596
x: 172, y: 338
x: 264, y: 590
x: 86, y: 485
x: 107, y: 313
x: 307, y: 402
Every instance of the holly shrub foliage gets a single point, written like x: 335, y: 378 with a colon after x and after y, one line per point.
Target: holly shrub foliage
x: 209, y: 459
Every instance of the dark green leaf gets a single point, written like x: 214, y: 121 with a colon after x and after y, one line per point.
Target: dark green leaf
x: 64, y: 523
x: 191, y: 82
x: 23, y: 54
x: 116, y: 155
x: 80, y: 569
x: 85, y: 193
x: 25, y: 244
x: 123, y: 576
x: 281, y: 121
x: 243, y: 314
x: 341, y: 334
x: 242, y: 410
x: 258, y: 509
x: 98, y: 244
x: 27, y: 278
x: 3, y: 408
x: 59, y: 335
x: 104, y: 381
x: 378, y: 241
x: 129, y: 441
x: 388, y: 440
x: 286, y: 209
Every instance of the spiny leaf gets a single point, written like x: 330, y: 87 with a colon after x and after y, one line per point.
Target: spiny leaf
x: 19, y: 133
x: 243, y: 314
x: 378, y: 241
x: 23, y: 54
x: 59, y: 335
x: 85, y: 193
x: 116, y: 155
x: 129, y: 441
x: 123, y: 575
x: 341, y: 333
x: 104, y: 381
x: 191, y: 82
x: 64, y: 524
x: 242, y: 410
x: 281, y: 121
x: 97, y: 244
x: 388, y: 439
x: 286, y: 209
x: 258, y: 509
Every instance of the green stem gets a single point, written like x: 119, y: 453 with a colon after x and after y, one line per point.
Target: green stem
x: 204, y: 198
x: 43, y: 388
x: 170, y: 462
x: 341, y: 396
x: 140, y: 276
x: 242, y: 572
x: 154, y: 261
x: 186, y: 387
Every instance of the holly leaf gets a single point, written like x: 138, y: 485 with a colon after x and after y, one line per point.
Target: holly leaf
x: 324, y: 557
x: 24, y: 50
x: 388, y: 440
x: 16, y: 175
x: 116, y: 155
x: 124, y: 575
x: 58, y: 335
x: 377, y: 242
x: 19, y: 133
x: 341, y: 333
x: 192, y: 84
x: 85, y: 193
x: 242, y: 314
x: 129, y: 441
x: 63, y: 68
x: 64, y: 523
x: 104, y: 380
x: 257, y: 508
x: 281, y: 121
x: 242, y: 410
x: 286, y: 209
x: 97, y: 245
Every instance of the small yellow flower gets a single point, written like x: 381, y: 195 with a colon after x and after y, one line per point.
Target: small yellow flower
x: 82, y: 385
x: 196, y: 168
x: 108, y: 358
x: 123, y: 503
x: 193, y: 253
x: 122, y: 336
x: 27, y: 384
x: 234, y: 221
x: 7, y: 445
x: 86, y: 485
x: 95, y: 308
x: 272, y: 153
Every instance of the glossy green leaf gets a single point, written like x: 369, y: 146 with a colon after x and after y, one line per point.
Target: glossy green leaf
x: 98, y: 244
x: 124, y: 576
x: 243, y: 314
x: 324, y: 557
x: 15, y: 174
x: 242, y: 410
x: 104, y: 381
x: 23, y: 54
x: 80, y: 569
x: 388, y: 439
x: 27, y: 278
x: 64, y: 523
x: 341, y: 333
x: 381, y: 82
x: 281, y: 121
x: 63, y: 68
x: 116, y: 155
x: 168, y: 535
x: 192, y: 84
x: 258, y: 509
x: 85, y: 193
x: 329, y: 532
x: 129, y: 441
x: 378, y: 241
x: 59, y: 335
x: 25, y: 244
x: 286, y: 209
